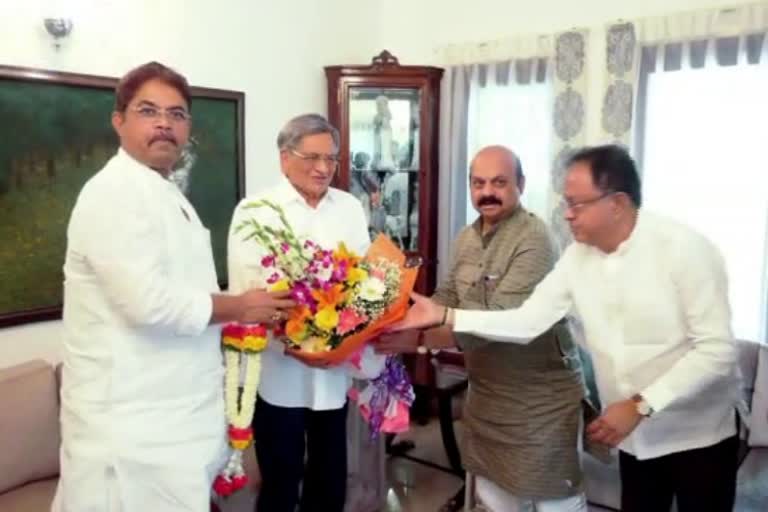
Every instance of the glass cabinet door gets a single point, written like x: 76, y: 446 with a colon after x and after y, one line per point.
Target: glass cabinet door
x: 384, y: 160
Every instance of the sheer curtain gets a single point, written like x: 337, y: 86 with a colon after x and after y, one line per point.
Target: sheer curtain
x: 701, y: 139
x: 511, y: 104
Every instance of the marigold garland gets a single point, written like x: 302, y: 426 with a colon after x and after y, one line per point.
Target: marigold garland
x: 242, y: 346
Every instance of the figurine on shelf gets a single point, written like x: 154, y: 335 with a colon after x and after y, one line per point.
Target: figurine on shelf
x: 413, y: 219
x: 395, y: 190
x: 414, y: 139
x: 382, y: 136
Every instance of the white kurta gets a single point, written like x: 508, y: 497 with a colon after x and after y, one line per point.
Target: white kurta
x: 142, y: 410
x: 657, y: 322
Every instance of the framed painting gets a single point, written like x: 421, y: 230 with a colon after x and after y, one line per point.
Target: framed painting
x: 55, y: 134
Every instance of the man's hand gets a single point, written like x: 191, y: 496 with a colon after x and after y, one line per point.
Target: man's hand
x: 265, y: 307
x: 408, y: 341
x: 424, y: 313
x: 397, y: 342
x: 615, y: 424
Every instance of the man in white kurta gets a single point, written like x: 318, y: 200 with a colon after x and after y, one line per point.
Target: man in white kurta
x: 142, y: 411
x: 300, y: 409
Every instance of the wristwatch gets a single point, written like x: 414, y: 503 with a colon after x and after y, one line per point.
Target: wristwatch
x: 643, y: 408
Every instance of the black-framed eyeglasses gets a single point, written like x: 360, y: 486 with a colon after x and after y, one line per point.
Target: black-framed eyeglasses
x: 332, y: 161
x: 152, y: 113
x: 577, y: 207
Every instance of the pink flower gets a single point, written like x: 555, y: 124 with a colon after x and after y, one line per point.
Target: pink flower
x: 378, y: 274
x: 273, y: 278
x: 349, y: 319
x: 268, y: 261
x: 285, y: 247
x: 340, y: 273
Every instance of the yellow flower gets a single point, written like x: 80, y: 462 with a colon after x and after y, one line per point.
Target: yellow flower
x: 342, y: 254
x: 280, y: 286
x: 327, y: 319
x: 356, y: 275
x: 315, y: 344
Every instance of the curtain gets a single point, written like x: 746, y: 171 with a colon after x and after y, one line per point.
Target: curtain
x: 510, y: 104
x: 621, y: 69
x: 452, y: 179
x: 568, y: 119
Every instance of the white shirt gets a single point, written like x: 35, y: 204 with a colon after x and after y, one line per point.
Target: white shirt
x: 338, y: 217
x: 657, y: 322
x: 142, y: 377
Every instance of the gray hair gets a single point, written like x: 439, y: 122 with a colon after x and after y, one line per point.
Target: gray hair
x: 301, y: 126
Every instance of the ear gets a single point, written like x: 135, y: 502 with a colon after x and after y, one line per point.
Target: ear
x: 521, y: 185
x: 621, y: 202
x: 118, y: 119
x: 284, y: 161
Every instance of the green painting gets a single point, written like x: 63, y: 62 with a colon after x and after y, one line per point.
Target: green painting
x: 55, y: 134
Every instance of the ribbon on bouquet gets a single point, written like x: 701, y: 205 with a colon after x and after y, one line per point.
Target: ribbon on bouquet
x: 386, y: 400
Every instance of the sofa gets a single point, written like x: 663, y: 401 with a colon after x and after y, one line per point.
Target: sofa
x: 29, y: 436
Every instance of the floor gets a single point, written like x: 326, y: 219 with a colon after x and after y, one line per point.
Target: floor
x: 417, y: 487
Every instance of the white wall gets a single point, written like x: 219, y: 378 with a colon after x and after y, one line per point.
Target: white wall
x: 273, y: 51
x: 430, y: 24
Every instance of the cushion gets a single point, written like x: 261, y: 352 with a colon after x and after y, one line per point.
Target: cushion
x: 34, y: 497
x: 20, y: 369
x: 29, y: 427
x: 758, y: 425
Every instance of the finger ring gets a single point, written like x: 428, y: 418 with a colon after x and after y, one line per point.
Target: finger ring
x: 276, y: 316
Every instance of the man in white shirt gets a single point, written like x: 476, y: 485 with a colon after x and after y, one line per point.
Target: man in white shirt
x: 301, y: 407
x: 142, y: 412
x: 652, y: 295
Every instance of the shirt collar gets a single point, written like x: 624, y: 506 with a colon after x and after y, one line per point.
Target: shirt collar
x: 287, y: 193
x: 641, y: 223
x: 139, y: 170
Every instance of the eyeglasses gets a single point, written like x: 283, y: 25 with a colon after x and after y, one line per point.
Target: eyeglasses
x: 579, y: 206
x: 174, y: 115
x: 332, y: 161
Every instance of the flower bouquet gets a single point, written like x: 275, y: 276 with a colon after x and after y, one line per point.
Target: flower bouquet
x: 343, y: 300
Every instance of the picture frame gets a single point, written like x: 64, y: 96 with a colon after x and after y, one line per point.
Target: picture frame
x: 56, y: 134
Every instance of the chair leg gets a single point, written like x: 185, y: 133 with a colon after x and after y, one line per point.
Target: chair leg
x: 445, y: 413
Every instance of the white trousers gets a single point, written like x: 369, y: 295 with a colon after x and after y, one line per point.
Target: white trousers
x: 496, y: 499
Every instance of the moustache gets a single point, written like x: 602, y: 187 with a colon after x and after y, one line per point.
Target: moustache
x: 167, y: 137
x: 488, y: 200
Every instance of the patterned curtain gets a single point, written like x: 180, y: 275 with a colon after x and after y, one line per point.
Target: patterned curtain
x: 570, y: 82
x: 622, y: 65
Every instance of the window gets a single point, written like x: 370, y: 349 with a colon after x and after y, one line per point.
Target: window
x: 518, y: 116
x: 704, y: 160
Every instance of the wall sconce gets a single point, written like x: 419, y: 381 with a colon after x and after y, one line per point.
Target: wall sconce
x: 59, y: 28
